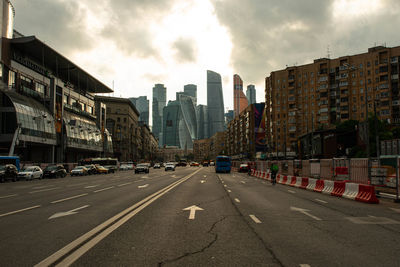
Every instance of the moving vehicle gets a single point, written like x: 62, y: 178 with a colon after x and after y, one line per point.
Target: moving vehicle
x: 79, y: 170
x: 10, y: 160
x: 91, y: 169
x: 205, y: 163
x: 54, y: 171
x: 182, y: 163
x: 223, y: 164
x: 110, y: 163
x: 8, y: 172
x: 243, y: 168
x: 30, y: 173
x: 142, y: 167
x: 194, y: 164
x: 157, y: 166
x: 101, y: 169
x: 170, y: 166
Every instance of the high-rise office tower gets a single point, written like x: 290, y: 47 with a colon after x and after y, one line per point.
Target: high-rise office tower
x: 229, y: 115
x: 171, y: 115
x: 142, y: 105
x: 191, y: 90
x: 215, y: 103
x: 202, y: 121
x: 239, y: 99
x: 251, y: 94
x: 159, y: 102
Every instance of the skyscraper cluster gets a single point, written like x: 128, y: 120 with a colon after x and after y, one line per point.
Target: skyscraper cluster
x: 182, y: 121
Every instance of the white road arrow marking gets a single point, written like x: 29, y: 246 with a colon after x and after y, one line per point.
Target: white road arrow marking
x: 67, y: 213
x: 143, y: 186
x: 192, y: 211
x: 202, y: 181
x: 305, y: 212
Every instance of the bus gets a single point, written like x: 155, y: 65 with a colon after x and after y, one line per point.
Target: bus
x: 223, y: 164
x: 110, y: 163
x: 10, y: 160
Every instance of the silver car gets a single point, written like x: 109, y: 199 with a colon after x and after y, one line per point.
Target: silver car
x: 30, y: 173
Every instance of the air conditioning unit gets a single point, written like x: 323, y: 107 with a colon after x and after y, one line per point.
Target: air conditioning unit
x: 396, y: 103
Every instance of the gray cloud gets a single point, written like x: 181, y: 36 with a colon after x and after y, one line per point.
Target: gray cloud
x: 185, y: 50
x: 267, y: 35
x: 59, y: 23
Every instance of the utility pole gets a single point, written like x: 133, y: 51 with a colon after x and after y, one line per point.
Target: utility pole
x: 376, y: 130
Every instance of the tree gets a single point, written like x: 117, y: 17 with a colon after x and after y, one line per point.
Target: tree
x: 177, y: 158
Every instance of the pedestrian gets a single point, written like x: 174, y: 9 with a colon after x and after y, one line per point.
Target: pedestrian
x: 274, y: 170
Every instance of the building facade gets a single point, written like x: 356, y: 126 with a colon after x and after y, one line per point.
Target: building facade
x: 201, y: 149
x: 317, y: 96
x: 251, y: 94
x: 239, y: 99
x: 142, y: 105
x: 202, y: 121
x: 47, y: 108
x: 191, y: 90
x: 217, y: 145
x: 215, y: 103
x: 159, y: 102
x: 245, y: 135
x: 169, y: 153
x: 123, y: 124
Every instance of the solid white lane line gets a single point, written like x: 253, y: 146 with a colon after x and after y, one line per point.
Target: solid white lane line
x: 291, y: 191
x: 43, y: 190
x: 237, y: 200
x: 229, y: 191
x: 8, y: 196
x: 123, y: 184
x: 17, y: 211
x: 68, y: 198
x: 322, y: 201
x: 91, y: 186
x: 255, y: 219
x: 104, y: 189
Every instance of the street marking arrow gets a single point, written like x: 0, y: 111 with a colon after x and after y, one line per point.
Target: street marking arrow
x: 66, y: 213
x: 202, y: 181
x: 192, y: 211
x: 143, y: 186
x: 305, y: 212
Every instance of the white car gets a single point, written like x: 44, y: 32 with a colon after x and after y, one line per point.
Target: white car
x: 170, y: 166
x: 30, y: 173
x: 124, y: 167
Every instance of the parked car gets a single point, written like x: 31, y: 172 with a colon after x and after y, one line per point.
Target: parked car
x: 194, y: 164
x: 79, y: 171
x: 101, y: 169
x: 30, y: 173
x: 91, y: 169
x: 124, y: 167
x: 157, y: 166
x: 54, y: 171
x: 8, y: 172
x: 142, y: 167
x: 170, y: 166
x: 243, y: 168
x: 205, y: 163
x: 182, y: 164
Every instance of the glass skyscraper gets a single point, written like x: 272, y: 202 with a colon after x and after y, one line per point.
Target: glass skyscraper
x: 251, y: 94
x: 215, y: 103
x: 239, y: 99
x: 159, y: 102
x: 142, y: 105
x: 202, y: 121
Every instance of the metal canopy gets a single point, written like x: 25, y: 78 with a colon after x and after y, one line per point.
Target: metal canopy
x: 59, y: 65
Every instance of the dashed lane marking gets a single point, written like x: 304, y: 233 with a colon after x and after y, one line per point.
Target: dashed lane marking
x: 229, y: 191
x: 71, y: 185
x: 225, y: 185
x: 91, y: 186
x: 8, y: 196
x: 322, y: 201
x: 291, y: 191
x: 123, y: 184
x: 43, y: 190
x: 18, y: 211
x: 243, y: 182
x: 68, y: 198
x: 104, y: 189
x: 254, y: 218
x: 237, y: 200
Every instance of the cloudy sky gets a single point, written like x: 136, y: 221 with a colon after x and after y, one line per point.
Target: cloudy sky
x: 137, y: 43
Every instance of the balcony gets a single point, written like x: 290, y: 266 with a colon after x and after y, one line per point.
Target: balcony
x: 78, y: 111
x: 395, y: 76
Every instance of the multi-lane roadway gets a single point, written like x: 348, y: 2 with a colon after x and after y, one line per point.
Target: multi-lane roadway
x: 190, y: 217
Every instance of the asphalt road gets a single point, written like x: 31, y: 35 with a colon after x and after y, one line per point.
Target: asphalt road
x: 190, y: 217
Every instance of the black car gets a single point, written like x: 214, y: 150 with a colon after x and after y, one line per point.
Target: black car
x: 8, y: 172
x: 54, y: 171
x: 142, y: 168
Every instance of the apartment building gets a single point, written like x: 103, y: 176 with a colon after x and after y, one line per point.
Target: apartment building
x: 317, y: 96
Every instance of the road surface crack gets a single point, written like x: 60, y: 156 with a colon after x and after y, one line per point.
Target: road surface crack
x: 188, y: 254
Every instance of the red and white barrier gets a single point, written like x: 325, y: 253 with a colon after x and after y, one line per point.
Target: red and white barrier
x: 311, y: 184
x: 304, y: 182
x: 328, y: 187
x: 319, y: 186
x: 366, y: 193
x: 298, y: 182
x: 351, y: 191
